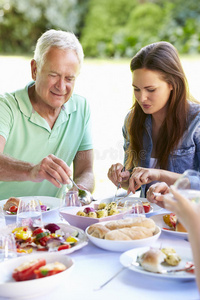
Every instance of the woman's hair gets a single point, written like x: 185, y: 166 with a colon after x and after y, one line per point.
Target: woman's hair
x: 56, y: 38
x: 161, y: 57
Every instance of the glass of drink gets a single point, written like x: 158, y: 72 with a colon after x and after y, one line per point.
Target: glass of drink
x: 133, y: 208
x: 2, y: 217
x: 188, y: 185
x: 69, y: 200
x: 29, y: 213
x: 7, y: 247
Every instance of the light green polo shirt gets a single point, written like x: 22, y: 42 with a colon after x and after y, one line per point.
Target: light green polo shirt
x: 29, y: 138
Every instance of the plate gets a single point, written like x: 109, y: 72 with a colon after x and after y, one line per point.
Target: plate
x: 82, y: 238
x: 158, y: 219
x: 154, y: 207
x: 51, y: 202
x: 185, y: 254
x: 84, y: 222
x: 121, y: 246
x: 36, y: 287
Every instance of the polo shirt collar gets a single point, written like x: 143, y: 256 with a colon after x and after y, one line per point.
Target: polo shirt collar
x: 26, y: 108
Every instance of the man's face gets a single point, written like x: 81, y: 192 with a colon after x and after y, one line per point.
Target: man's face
x: 54, y: 82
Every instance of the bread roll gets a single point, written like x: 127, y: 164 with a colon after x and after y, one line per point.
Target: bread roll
x: 137, y: 232
x: 98, y: 231
x: 130, y: 222
x: 152, y: 259
x: 11, y: 202
x: 117, y: 235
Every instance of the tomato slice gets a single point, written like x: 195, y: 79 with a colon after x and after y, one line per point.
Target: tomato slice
x: 13, y: 209
x: 24, y: 272
x: 63, y: 247
x: 45, y: 273
x: 147, y: 207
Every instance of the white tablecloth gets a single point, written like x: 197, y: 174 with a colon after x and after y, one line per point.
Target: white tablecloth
x: 93, y: 266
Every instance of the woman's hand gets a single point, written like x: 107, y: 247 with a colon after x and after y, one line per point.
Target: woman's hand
x: 159, y: 187
x: 142, y: 176
x: 117, y: 175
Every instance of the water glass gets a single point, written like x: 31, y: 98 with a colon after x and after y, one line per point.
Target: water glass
x: 133, y: 208
x: 2, y: 217
x: 29, y: 213
x: 69, y: 200
x: 7, y: 247
x: 188, y: 185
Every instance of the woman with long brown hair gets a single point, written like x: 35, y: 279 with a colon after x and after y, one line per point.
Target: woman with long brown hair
x: 162, y: 130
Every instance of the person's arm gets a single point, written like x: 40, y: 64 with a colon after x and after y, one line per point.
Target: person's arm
x: 50, y: 168
x: 83, y: 173
x: 188, y: 214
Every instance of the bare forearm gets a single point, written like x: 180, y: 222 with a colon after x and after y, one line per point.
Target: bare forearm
x: 86, y: 179
x: 168, y: 177
x: 14, y: 170
x: 195, y: 245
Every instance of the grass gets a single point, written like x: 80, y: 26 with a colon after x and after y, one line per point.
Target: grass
x: 107, y: 85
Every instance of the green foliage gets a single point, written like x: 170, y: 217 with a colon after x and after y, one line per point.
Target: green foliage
x: 105, y: 27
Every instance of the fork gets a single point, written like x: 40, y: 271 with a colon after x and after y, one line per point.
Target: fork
x: 137, y: 264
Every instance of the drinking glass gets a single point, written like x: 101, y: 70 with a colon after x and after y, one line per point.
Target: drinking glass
x: 68, y: 201
x: 188, y: 185
x: 133, y: 208
x: 2, y: 217
x: 29, y: 213
x: 7, y: 247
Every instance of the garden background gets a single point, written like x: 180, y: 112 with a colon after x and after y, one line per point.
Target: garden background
x: 111, y: 32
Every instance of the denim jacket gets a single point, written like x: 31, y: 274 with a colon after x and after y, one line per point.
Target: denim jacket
x: 187, y: 154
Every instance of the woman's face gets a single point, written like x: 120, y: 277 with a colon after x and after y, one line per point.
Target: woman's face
x: 151, y: 91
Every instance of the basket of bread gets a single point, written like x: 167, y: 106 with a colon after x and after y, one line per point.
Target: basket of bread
x: 123, y: 234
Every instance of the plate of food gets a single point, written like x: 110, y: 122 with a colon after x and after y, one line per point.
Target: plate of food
x: 61, y: 237
x: 149, y: 208
x: 124, y: 234
x: 83, y: 217
x: 47, y: 204
x: 25, y: 277
x: 169, y: 263
x: 169, y: 224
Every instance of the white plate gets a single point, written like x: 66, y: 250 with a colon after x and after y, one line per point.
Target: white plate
x: 185, y: 254
x: 121, y: 246
x: 82, y: 238
x: 36, y: 287
x: 158, y: 219
x: 51, y: 202
x: 154, y: 207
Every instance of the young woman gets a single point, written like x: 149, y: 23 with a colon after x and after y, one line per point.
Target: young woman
x: 162, y: 130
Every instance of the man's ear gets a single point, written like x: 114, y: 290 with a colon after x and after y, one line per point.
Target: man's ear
x: 33, y: 69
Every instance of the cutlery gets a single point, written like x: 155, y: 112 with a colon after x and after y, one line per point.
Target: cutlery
x: 137, y: 264
x: 85, y: 196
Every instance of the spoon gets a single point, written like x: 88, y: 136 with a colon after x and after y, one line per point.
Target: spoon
x: 85, y: 196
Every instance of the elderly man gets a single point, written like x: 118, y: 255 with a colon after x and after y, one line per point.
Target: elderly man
x: 45, y: 127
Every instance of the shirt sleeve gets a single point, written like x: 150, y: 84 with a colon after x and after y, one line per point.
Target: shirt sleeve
x: 86, y: 142
x: 6, y: 117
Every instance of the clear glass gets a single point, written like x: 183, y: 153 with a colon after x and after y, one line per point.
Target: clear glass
x: 69, y: 199
x: 7, y: 247
x: 188, y: 185
x: 29, y: 213
x: 133, y: 208
x: 2, y: 217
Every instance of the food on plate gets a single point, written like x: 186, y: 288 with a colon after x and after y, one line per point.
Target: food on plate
x: 154, y: 259
x: 26, y: 270
x: 170, y: 220
x: 42, y: 239
x: 130, y: 222
x: 124, y: 229
x: 103, y: 210
x: 173, y: 223
x: 49, y: 270
x: 98, y: 231
x: 11, y: 205
x: 133, y: 233
x: 37, y: 268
